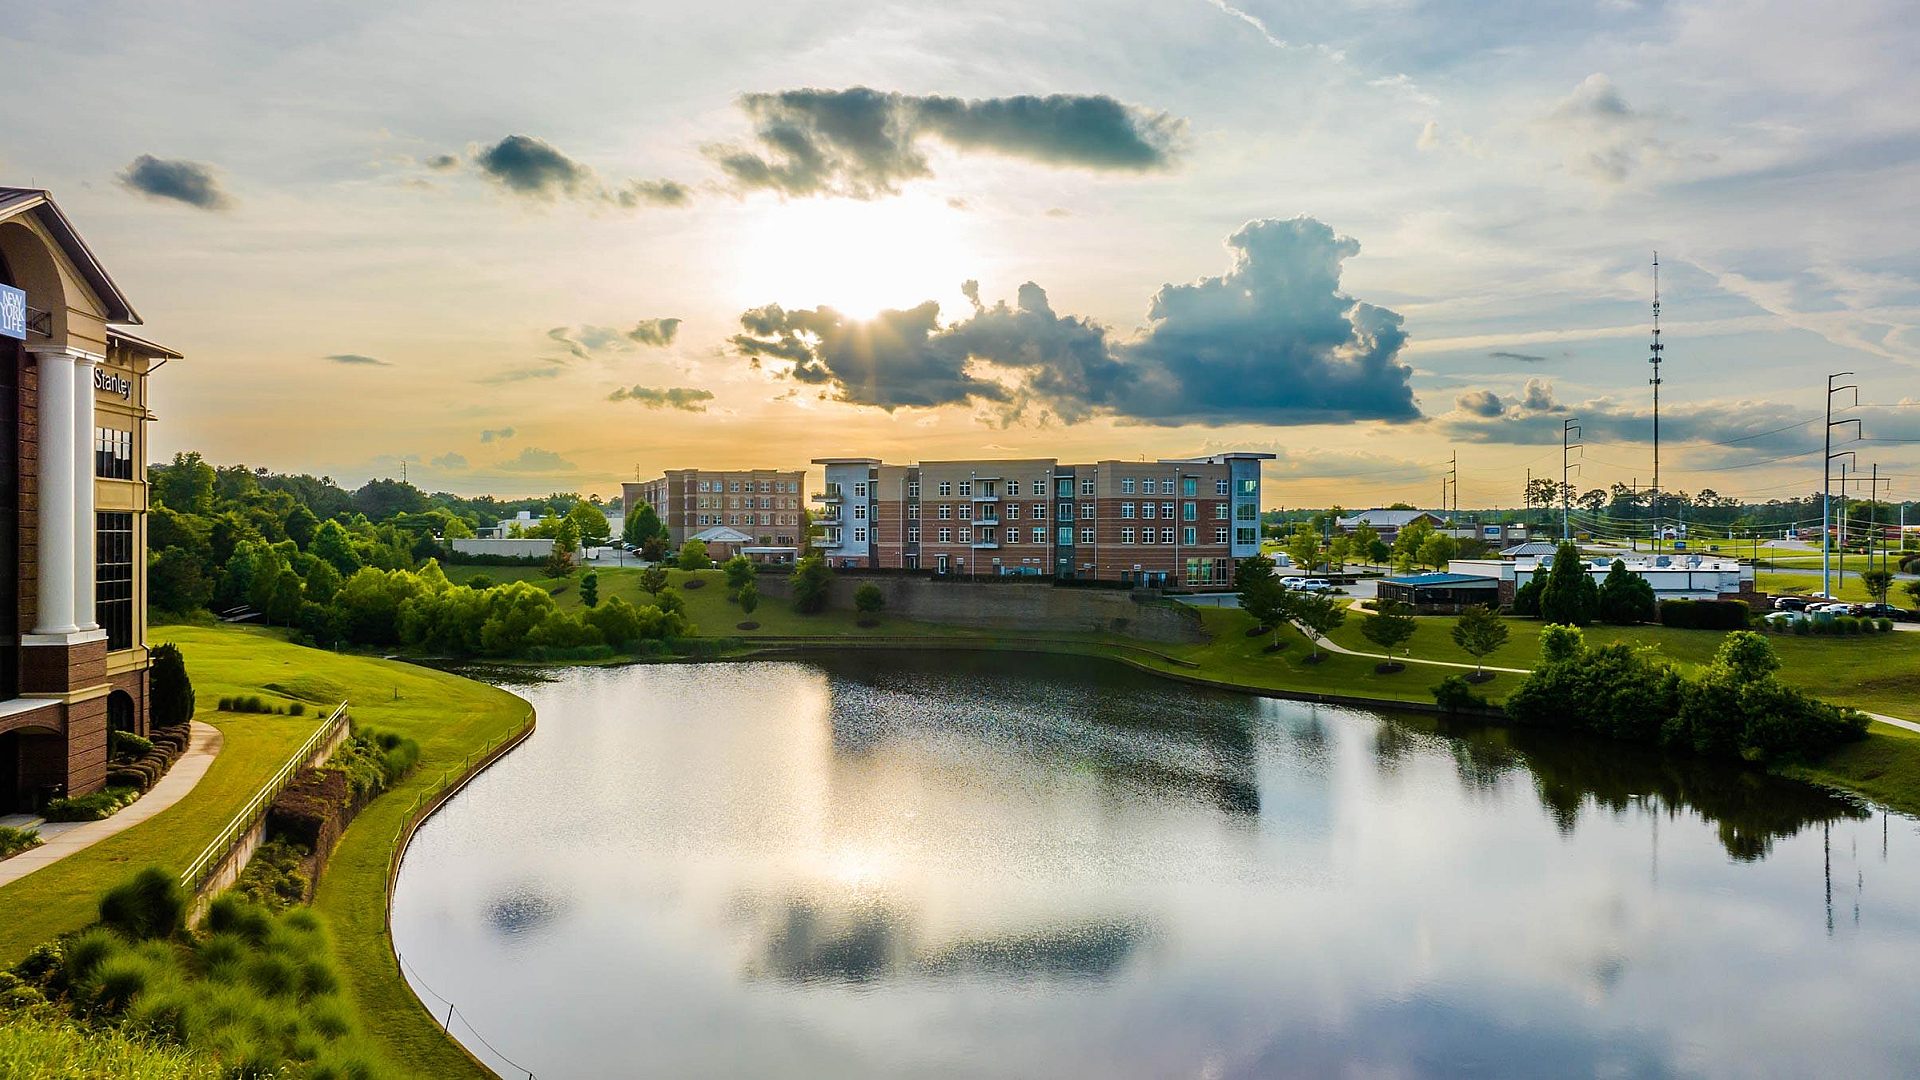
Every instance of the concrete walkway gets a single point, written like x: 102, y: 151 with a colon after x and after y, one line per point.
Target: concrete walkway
x: 64, y: 838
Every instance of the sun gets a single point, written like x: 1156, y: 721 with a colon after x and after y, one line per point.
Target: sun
x: 857, y: 257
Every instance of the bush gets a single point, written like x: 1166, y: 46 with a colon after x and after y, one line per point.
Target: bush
x: 1569, y: 595
x: 1883, y: 625
x: 1454, y: 694
x: 95, y: 807
x: 150, y: 905
x: 169, y: 691
x: 14, y: 841
x: 275, y: 878
x: 811, y: 580
x: 868, y: 599
x: 1526, y: 599
x: 1705, y: 614
x: 126, y: 746
x: 1625, y: 597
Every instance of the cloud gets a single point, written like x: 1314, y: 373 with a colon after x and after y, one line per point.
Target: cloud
x: 492, y: 434
x: 1273, y: 340
x: 654, y: 331
x: 1480, y: 403
x: 450, y: 462
x: 865, y: 143
x: 683, y: 398
x: 356, y: 358
x: 534, y: 459
x: 535, y: 169
x: 514, y: 375
x: 443, y: 163
x: 1525, y: 358
x: 187, y: 182
x: 1607, y: 139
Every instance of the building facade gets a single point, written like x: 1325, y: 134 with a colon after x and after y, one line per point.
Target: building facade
x: 765, y: 504
x: 1175, y: 522
x: 1673, y: 577
x: 73, y: 502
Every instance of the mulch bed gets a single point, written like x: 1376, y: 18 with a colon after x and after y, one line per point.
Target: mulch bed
x: 1315, y: 658
x: 1478, y: 677
x: 867, y: 624
x: 1393, y: 668
x: 1258, y: 630
x: 749, y: 625
x: 1275, y: 647
x: 695, y: 583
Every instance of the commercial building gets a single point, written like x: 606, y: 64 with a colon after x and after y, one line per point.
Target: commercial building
x: 1673, y: 577
x: 1388, y: 523
x: 1175, y: 522
x: 763, y: 504
x: 73, y: 503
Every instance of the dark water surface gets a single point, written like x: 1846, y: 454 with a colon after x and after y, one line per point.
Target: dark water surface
x: 1006, y: 865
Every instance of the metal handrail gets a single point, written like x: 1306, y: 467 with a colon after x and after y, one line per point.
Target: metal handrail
x: 200, y: 869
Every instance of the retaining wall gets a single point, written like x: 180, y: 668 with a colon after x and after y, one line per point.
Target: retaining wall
x: 1012, y: 606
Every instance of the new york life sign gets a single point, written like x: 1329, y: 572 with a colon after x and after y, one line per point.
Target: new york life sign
x: 13, y: 313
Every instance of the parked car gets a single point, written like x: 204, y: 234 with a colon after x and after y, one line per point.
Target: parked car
x: 1888, y: 611
x: 1784, y: 618
x: 1312, y: 584
x: 1790, y: 603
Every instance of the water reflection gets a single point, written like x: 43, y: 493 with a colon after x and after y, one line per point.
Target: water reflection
x: 1002, y: 865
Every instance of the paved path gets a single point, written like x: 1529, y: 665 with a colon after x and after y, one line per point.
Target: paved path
x: 64, y: 838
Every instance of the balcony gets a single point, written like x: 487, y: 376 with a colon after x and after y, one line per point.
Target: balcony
x: 831, y: 540
x: 989, y: 516
x: 986, y: 497
x: 830, y: 516
x: 986, y: 543
x: 826, y: 496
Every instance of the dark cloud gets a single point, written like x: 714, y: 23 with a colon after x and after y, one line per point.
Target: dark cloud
x: 865, y: 143
x: 187, y: 182
x: 535, y: 169
x: 1525, y: 358
x: 1480, y: 403
x: 450, y: 462
x: 356, y: 358
x: 491, y: 434
x: 534, y: 459
x: 654, y: 331
x: 1273, y: 340
x: 683, y: 398
x: 443, y: 163
x: 514, y: 375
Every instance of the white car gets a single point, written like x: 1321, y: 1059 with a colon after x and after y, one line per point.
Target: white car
x: 1784, y: 618
x: 1312, y: 584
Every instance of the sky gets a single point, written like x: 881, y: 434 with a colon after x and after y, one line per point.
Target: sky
x: 528, y: 250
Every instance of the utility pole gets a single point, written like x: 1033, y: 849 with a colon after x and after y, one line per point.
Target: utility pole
x: 1826, y: 477
x: 1569, y: 431
x: 1655, y: 383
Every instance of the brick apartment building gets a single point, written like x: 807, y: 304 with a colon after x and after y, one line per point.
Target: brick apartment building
x: 1177, y: 522
x: 762, y: 504
x: 73, y: 502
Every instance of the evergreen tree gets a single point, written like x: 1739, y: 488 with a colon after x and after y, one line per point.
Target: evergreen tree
x: 1569, y: 596
x: 169, y: 690
x: 811, y: 579
x: 1625, y: 597
x: 590, y: 588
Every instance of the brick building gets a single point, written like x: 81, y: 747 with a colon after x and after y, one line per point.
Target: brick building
x: 764, y: 504
x: 73, y: 501
x: 1178, y: 522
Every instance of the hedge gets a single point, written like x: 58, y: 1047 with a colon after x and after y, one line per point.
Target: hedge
x: 1705, y: 614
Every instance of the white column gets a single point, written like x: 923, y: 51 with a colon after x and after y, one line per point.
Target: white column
x: 55, y: 417
x: 85, y: 548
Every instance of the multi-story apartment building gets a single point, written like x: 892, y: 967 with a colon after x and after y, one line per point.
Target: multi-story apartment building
x: 763, y: 504
x: 73, y: 503
x: 1173, y: 522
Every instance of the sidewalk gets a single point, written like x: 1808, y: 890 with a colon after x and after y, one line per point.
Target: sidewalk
x: 64, y: 838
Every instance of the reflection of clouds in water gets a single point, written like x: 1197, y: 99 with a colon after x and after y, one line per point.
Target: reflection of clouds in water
x: 524, y: 909
x: 804, y: 940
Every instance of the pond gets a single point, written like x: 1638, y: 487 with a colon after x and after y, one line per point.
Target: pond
x: 988, y: 864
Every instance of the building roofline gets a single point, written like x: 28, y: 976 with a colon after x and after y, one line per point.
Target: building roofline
x: 847, y: 461
x: 153, y: 349
x: 39, y: 201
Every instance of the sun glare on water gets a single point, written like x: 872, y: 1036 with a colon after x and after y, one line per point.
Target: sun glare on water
x: 856, y: 257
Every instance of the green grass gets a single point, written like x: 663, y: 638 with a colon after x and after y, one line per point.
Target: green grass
x: 65, y: 896
x: 42, y: 1045
x: 1846, y: 588
x: 1886, y: 768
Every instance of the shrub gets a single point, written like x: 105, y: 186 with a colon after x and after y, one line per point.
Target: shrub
x: 811, y: 580
x: 693, y: 556
x: 1526, y: 599
x: 739, y: 571
x: 150, y: 905
x: 1883, y: 625
x: 868, y: 599
x: 14, y: 841
x: 1802, y: 627
x: 1454, y: 694
x: 169, y: 691
x: 126, y: 746
x: 95, y: 807
x: 1705, y: 614
x: 1569, y: 595
x: 1625, y: 597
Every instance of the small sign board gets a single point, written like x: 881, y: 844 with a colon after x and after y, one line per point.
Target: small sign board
x: 13, y: 313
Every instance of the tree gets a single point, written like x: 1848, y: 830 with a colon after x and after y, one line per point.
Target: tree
x: 590, y: 588
x: 283, y: 601
x: 169, y: 690
x: 175, y: 582
x: 559, y: 559
x: 811, y: 579
x: 1625, y: 598
x: 693, y: 556
x: 1303, y: 546
x: 642, y: 525
x: 1390, y: 625
x: 590, y: 523
x: 1363, y: 540
x: 868, y: 599
x: 1877, y: 582
x: 653, y: 579
x: 1526, y: 598
x: 1320, y: 613
x: 186, y: 486
x: 1262, y: 595
x: 332, y: 543
x: 739, y: 571
x: 1569, y: 596
x: 654, y: 549
x: 749, y: 598
x: 1339, y: 550
x: 1480, y: 632
x: 1913, y: 591
x: 381, y: 499
x: 1438, y: 549
x: 1407, y: 543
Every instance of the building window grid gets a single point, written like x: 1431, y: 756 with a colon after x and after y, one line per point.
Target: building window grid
x: 113, y: 453
x: 113, y: 578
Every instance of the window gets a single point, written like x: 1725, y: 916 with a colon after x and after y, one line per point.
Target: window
x: 1189, y: 511
x: 1039, y: 511
x: 946, y: 536
x: 1219, y: 511
x: 860, y: 490
x: 1064, y: 487
x: 1088, y: 511
x: 1244, y: 512
x: 1187, y: 535
x: 1245, y: 536
x: 859, y: 511
x: 1146, y: 536
x: 1250, y: 487
x: 1066, y: 512
x: 1219, y: 487
x: 1086, y: 486
x: 859, y: 536
x: 1013, y: 511
x: 734, y: 486
x: 913, y: 535
x: 1190, y: 485
x: 966, y: 511
x: 1126, y: 485
x: 966, y: 536
x: 1086, y: 535
x: 1039, y: 535
x: 1126, y: 510
x: 113, y: 578
x: 1220, y: 535
x: 946, y: 511
x: 1147, y: 510
x: 1064, y: 535
x: 766, y: 485
x: 1126, y: 536
x: 113, y: 453
x: 1166, y: 509
x: 1038, y: 487
x: 966, y: 488
x: 913, y: 511
x: 1166, y: 536
x: 913, y: 489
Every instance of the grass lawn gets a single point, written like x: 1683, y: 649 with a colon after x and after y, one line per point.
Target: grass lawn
x: 66, y: 895
x: 1847, y: 588
x: 1885, y: 767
